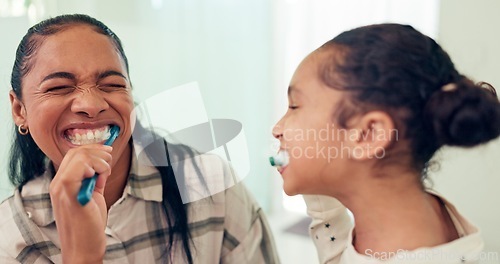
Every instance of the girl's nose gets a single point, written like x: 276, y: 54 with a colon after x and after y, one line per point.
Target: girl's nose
x: 278, y: 130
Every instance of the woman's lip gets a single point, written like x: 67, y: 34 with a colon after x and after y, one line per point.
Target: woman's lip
x: 73, y: 145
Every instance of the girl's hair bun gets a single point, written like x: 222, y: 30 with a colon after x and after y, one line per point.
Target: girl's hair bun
x: 464, y: 114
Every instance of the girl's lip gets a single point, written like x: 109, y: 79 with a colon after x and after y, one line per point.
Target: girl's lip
x: 281, y: 169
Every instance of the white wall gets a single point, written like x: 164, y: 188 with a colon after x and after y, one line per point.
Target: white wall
x: 12, y: 30
x: 469, y: 32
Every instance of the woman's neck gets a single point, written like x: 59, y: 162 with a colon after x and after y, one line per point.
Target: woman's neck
x: 395, y: 213
x: 117, y: 181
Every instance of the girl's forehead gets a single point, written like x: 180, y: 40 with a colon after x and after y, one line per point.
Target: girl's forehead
x: 311, y: 68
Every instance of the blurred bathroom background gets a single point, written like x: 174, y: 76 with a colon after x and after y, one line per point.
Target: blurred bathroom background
x: 242, y: 55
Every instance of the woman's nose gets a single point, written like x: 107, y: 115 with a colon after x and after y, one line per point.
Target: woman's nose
x: 89, y: 103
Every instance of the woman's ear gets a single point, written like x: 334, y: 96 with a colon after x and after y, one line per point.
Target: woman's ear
x: 18, y: 110
x: 372, y: 133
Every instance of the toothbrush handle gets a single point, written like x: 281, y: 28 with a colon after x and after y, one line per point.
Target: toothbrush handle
x: 85, y: 193
x: 88, y: 184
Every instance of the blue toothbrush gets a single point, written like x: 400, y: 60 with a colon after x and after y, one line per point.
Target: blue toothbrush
x: 88, y: 184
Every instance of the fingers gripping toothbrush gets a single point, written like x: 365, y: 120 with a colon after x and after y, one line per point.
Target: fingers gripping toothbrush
x: 88, y: 184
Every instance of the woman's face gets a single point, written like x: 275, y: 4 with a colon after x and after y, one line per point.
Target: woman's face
x: 308, y: 132
x: 76, y: 89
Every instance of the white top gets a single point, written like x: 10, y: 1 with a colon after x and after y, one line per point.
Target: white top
x: 331, y: 230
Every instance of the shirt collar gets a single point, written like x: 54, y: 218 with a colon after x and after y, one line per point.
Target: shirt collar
x: 144, y: 182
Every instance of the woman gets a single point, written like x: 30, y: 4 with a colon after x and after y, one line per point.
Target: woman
x: 381, y: 100
x: 70, y: 85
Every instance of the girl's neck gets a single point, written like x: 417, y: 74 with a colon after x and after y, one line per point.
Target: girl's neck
x: 395, y: 213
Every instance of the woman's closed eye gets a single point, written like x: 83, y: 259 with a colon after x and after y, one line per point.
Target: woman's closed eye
x: 109, y: 87
x: 60, y: 89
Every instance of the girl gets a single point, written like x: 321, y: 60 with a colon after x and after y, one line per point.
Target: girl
x: 381, y: 99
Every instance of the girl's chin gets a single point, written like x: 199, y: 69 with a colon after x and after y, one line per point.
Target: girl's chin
x: 289, y: 189
x: 290, y: 192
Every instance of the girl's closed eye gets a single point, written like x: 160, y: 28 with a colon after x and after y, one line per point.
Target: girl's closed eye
x: 292, y: 104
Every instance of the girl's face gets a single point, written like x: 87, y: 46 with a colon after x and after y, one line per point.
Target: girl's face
x: 308, y: 132
x: 76, y: 89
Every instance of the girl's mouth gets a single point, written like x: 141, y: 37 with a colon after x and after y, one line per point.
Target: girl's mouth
x: 80, y: 137
x: 281, y: 169
x: 280, y: 160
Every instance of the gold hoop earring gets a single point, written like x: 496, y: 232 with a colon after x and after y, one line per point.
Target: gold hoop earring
x: 23, y: 131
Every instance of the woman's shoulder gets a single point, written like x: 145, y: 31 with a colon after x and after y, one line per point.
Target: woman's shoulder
x: 12, y: 214
x: 6, y: 211
x: 11, y: 210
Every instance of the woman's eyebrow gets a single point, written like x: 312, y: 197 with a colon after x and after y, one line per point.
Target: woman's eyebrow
x: 110, y: 73
x: 55, y: 75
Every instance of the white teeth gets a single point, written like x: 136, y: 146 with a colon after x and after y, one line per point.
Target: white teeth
x: 98, y: 134
x: 90, y: 137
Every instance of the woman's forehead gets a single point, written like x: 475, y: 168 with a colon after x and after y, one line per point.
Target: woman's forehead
x: 75, y: 35
x: 78, y: 50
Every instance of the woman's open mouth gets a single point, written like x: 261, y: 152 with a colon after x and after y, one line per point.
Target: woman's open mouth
x: 78, y: 136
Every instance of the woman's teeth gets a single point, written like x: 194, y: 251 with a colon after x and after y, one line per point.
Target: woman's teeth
x: 87, y: 136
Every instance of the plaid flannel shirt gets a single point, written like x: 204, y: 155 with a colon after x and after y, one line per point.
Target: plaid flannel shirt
x: 227, y: 227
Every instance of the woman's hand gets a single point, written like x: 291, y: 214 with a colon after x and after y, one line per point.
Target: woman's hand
x: 81, y: 228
